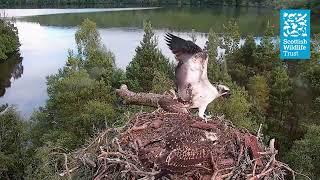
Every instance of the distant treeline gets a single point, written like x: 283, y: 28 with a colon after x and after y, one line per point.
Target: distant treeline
x: 57, y: 3
x: 313, y: 5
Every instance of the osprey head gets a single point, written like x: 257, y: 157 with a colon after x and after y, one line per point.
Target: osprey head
x: 223, y: 90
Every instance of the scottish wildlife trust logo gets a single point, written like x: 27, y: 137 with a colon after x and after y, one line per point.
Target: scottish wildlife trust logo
x: 294, y: 34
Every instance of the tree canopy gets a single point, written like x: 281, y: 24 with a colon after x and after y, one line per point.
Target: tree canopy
x: 9, y: 40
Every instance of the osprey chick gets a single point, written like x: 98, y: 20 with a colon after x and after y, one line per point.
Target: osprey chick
x: 192, y: 81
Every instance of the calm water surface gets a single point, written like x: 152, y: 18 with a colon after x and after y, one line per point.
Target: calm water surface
x: 46, y: 35
x: 34, y: 12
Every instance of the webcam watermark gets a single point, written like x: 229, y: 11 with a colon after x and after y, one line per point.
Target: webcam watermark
x: 295, y: 34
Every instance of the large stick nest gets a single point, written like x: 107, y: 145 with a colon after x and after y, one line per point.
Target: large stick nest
x: 175, y: 145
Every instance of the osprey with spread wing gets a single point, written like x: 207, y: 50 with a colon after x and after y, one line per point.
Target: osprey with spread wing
x: 192, y: 81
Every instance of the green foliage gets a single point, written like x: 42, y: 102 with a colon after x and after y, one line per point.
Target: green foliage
x: 304, y: 155
x: 257, y: 67
x: 252, y: 59
x: 81, y: 102
x: 306, y: 84
x: 42, y: 164
x: 9, y: 40
x: 118, y: 78
x: 98, y: 61
x: 12, y: 145
x: 280, y: 94
x: 259, y: 91
x: 10, y: 69
x: 231, y: 37
x: 239, y: 69
x: 217, y: 67
x: 161, y: 82
x: 236, y: 108
x: 147, y: 61
x: 87, y: 38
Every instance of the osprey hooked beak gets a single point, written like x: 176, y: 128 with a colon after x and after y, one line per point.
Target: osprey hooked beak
x: 224, y: 91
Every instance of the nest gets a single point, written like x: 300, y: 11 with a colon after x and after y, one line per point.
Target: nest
x: 171, y: 143
x: 163, y: 145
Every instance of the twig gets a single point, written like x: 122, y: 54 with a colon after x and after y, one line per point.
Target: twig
x: 291, y: 170
x: 254, y: 168
x: 68, y: 172
x: 258, y: 176
x: 123, y: 152
x: 136, y: 169
x: 272, y: 159
x: 240, y: 154
x: 271, y: 146
x: 259, y: 131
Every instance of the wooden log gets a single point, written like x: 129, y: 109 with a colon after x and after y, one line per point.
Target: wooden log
x: 164, y: 101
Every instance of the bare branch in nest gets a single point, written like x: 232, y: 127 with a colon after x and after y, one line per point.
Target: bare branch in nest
x: 166, y: 102
x: 145, y: 99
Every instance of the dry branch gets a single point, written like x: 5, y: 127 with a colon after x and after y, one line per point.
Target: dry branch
x: 165, y: 101
x: 146, y: 99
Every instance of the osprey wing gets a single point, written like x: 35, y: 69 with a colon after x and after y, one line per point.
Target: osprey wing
x: 183, y: 49
x: 192, y: 65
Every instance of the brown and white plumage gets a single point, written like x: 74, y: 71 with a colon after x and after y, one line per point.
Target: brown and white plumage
x: 191, y: 74
x: 191, y: 62
x: 187, y: 150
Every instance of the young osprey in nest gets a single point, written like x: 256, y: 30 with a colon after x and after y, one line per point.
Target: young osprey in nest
x: 193, y: 86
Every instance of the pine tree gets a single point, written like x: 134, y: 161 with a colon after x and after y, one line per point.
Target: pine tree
x: 80, y: 102
x: 147, y: 61
x: 12, y: 145
x: 96, y: 59
x: 214, y: 72
x: 304, y: 154
x: 237, y: 107
x: 259, y: 91
x: 161, y: 83
x: 217, y: 66
x: 241, y: 61
x: 9, y: 40
x: 280, y: 94
x: 231, y: 37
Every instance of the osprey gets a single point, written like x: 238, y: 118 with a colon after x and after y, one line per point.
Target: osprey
x: 193, y: 86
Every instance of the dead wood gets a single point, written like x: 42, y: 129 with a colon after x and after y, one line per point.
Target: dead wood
x: 164, y: 101
x: 146, y: 99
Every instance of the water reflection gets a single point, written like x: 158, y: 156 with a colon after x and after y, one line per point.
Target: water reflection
x: 251, y: 20
x: 10, y: 70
